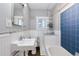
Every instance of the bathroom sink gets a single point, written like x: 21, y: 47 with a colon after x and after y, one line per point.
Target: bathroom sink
x: 25, y: 42
x: 25, y: 45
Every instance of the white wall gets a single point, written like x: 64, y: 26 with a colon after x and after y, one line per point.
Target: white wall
x: 5, y: 45
x: 5, y: 13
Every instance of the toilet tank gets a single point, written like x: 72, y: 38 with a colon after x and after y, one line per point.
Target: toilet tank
x: 50, y: 41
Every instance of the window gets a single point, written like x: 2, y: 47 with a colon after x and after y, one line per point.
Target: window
x: 42, y: 22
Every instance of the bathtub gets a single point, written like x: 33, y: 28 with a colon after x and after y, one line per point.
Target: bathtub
x: 53, y: 47
x: 57, y: 51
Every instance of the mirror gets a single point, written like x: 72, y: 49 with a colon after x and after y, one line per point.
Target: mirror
x: 21, y: 16
x: 18, y: 15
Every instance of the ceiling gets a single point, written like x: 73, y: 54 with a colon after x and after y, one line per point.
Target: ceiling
x: 41, y: 6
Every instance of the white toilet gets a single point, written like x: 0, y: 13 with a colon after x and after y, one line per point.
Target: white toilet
x: 52, y: 49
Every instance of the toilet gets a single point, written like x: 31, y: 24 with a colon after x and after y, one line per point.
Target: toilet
x: 52, y: 49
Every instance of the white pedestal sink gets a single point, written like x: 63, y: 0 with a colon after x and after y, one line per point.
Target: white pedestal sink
x: 25, y: 45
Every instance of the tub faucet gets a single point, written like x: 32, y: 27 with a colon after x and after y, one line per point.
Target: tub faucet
x: 21, y: 38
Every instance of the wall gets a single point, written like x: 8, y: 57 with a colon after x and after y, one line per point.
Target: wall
x: 5, y: 13
x: 5, y: 44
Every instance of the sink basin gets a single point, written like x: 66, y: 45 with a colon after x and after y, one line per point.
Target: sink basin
x: 25, y: 42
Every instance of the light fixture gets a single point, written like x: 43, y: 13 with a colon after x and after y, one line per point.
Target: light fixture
x: 25, y: 4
